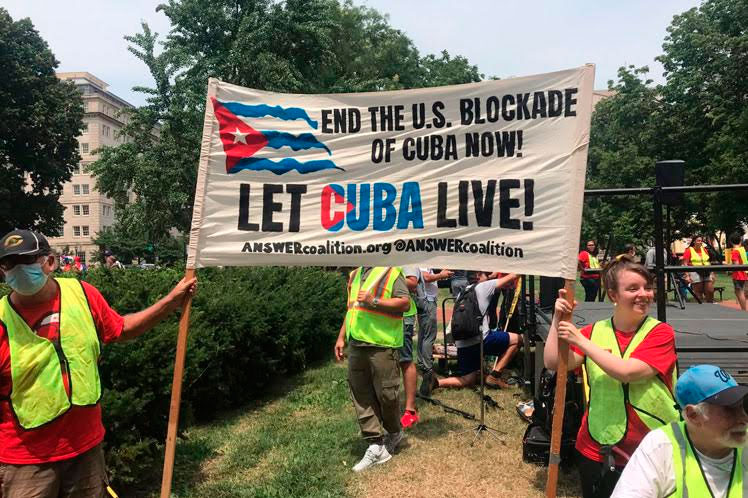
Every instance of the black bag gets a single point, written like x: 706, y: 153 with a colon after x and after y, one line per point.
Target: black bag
x: 536, y: 446
x: 466, y: 316
x: 573, y: 411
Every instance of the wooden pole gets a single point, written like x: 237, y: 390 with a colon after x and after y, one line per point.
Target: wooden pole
x: 176, y: 391
x: 559, y: 401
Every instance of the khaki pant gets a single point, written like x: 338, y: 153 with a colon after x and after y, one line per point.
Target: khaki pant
x: 374, y: 379
x: 81, y: 477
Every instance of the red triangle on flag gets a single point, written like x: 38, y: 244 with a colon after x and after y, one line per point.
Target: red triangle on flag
x: 239, y: 139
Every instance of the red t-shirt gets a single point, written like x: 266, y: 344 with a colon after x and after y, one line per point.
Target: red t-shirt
x: 78, y: 430
x: 584, y: 259
x: 656, y: 350
x: 737, y: 260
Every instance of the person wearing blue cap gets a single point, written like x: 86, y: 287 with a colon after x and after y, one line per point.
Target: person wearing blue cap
x: 702, y: 456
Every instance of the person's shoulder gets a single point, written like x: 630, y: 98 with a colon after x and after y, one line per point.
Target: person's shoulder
x: 92, y: 293
x: 664, y: 328
x: 655, y: 441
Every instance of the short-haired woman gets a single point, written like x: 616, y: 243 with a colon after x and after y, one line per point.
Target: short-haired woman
x: 630, y: 365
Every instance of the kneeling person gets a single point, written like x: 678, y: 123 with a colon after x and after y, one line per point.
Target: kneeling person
x: 373, y: 327
x: 701, y: 456
x: 495, y: 342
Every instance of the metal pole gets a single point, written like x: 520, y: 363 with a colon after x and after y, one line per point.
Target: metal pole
x: 659, y: 260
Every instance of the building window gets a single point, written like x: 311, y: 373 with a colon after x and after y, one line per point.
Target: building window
x: 105, y: 130
x: 84, y: 148
x: 85, y: 106
x: 85, y: 188
x: 106, y: 211
x: 76, y: 210
x: 85, y: 230
x: 85, y: 128
x: 76, y: 189
x: 76, y: 231
x: 84, y: 209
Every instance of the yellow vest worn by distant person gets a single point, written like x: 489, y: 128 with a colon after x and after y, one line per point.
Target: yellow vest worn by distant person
x: 38, y: 393
x: 699, y: 258
x: 373, y: 326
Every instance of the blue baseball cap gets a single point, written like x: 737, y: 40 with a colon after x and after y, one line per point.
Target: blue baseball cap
x: 710, y: 384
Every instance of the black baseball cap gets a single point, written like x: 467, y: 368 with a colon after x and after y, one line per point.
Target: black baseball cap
x: 24, y: 243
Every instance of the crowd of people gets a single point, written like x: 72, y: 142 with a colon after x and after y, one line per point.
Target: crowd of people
x: 644, y: 433
x: 699, y: 254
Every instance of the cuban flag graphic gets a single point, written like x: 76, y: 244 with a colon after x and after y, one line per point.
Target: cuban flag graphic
x: 241, y: 141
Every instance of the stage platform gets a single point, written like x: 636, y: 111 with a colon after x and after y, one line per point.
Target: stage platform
x: 704, y: 333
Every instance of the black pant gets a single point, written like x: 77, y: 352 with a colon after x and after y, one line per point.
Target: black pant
x: 594, y: 484
x: 591, y: 287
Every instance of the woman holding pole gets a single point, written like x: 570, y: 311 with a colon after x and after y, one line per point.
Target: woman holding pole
x: 629, y: 361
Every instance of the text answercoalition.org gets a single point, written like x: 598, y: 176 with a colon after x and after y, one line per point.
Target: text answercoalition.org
x: 411, y: 245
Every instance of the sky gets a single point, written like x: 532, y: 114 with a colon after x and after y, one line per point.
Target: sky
x: 503, y: 38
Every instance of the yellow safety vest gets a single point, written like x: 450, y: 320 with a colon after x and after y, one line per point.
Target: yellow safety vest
x: 653, y: 402
x: 38, y: 394
x: 381, y: 328
x: 594, y: 263
x: 689, y: 477
x: 699, y: 258
x: 741, y: 252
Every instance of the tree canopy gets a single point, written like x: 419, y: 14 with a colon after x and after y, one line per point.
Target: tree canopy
x: 700, y: 115
x: 304, y: 46
x: 39, y: 120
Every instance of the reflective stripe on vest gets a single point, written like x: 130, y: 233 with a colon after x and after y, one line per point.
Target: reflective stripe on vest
x: 653, y: 402
x: 38, y: 393
x: 381, y: 328
x: 689, y: 477
x: 699, y: 258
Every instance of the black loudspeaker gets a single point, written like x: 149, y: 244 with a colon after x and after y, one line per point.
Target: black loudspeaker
x: 670, y: 174
x: 549, y: 287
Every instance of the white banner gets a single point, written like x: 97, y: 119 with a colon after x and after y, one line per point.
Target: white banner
x: 485, y: 175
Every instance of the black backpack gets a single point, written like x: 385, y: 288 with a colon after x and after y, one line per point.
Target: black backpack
x: 466, y: 316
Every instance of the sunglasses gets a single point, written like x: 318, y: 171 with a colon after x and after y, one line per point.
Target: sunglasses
x: 10, y: 262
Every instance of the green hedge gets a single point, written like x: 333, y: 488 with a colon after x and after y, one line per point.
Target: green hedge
x: 248, y: 327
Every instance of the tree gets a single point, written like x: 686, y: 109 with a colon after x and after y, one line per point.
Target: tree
x: 623, y: 149
x: 706, y: 96
x: 699, y: 115
x: 39, y: 120
x: 305, y: 46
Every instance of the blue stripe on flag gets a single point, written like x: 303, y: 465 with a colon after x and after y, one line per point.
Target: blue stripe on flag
x: 284, y: 165
x: 262, y: 110
x: 278, y: 139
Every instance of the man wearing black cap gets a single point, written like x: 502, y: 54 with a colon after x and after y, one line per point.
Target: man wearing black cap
x: 703, y: 456
x: 51, y: 331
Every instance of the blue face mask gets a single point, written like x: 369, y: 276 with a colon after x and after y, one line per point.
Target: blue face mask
x: 27, y: 280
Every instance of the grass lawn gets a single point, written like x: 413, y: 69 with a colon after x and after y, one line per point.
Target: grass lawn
x: 302, y: 440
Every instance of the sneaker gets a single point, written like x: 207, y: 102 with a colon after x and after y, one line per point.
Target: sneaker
x: 392, y: 441
x: 409, y: 418
x: 375, y: 455
x: 427, y: 384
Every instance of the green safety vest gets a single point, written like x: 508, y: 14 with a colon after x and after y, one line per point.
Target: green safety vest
x: 412, y: 311
x: 38, y: 394
x: 700, y: 258
x: 741, y: 251
x: 381, y: 328
x: 689, y: 478
x: 608, y: 398
x: 594, y: 263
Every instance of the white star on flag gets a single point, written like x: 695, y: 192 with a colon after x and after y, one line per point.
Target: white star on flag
x: 239, y: 137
